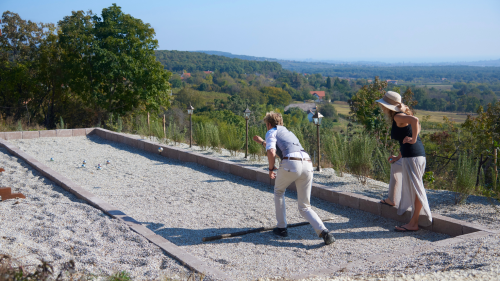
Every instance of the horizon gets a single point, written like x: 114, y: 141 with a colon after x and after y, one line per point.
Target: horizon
x: 388, y: 32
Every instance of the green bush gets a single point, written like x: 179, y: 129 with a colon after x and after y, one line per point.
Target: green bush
x: 360, y: 156
x: 201, y: 136
x: 231, y: 138
x: 254, y: 149
x: 141, y: 125
x: 213, y: 134
x: 175, y: 133
x: 465, y: 182
x: 157, y: 130
x: 382, y: 167
x: 336, y: 149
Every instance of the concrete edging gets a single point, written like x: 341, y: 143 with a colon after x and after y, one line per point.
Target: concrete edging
x: 440, y: 224
x: 459, y: 230
x: 173, y: 250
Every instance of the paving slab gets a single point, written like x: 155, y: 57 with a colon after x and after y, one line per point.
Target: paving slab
x: 13, y: 135
x: 48, y: 134
x: 31, y: 135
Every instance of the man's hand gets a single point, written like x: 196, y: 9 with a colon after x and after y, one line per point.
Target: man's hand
x: 410, y: 140
x: 272, y: 175
x: 257, y: 139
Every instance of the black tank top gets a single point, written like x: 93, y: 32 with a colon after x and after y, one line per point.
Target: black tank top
x: 407, y: 150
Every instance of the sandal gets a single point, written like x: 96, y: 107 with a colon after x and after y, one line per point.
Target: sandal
x: 385, y: 203
x: 404, y: 229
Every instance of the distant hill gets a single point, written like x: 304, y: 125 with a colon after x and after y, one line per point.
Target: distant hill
x: 241, y: 57
x: 179, y: 61
x: 287, y: 64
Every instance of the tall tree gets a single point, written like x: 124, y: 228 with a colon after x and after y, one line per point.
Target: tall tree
x: 111, y: 62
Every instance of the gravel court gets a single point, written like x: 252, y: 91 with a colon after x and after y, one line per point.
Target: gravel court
x: 184, y: 202
x: 54, y: 225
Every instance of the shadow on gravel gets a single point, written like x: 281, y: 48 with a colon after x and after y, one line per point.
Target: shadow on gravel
x: 341, y: 231
x: 355, y: 218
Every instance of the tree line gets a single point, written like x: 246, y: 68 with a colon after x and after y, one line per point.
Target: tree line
x: 84, y: 69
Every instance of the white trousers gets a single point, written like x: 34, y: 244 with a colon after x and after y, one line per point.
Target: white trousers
x: 395, y: 182
x: 413, y: 187
x: 300, y: 172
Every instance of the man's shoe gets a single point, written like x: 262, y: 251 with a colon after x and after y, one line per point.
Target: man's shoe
x: 327, y: 237
x: 280, y: 232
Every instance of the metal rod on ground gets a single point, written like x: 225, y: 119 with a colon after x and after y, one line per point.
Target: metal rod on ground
x: 255, y: 230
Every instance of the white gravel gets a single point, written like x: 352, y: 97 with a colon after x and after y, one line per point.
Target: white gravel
x: 53, y: 225
x: 184, y: 202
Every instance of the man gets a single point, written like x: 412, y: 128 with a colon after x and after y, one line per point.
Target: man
x: 296, y: 166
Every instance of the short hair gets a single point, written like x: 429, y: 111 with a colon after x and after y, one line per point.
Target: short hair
x: 274, y: 118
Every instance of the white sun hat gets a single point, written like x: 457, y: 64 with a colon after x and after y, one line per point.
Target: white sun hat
x: 391, y: 100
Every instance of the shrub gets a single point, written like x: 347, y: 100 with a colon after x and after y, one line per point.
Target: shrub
x: 201, y: 136
x: 175, y: 134
x: 466, y: 177
x: 141, y: 125
x: 360, y: 156
x: 213, y: 135
x: 157, y: 130
x: 254, y: 149
x: 231, y: 138
x: 336, y: 150
x: 382, y: 167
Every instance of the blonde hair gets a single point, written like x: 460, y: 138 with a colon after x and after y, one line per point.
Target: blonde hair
x: 389, y: 114
x: 273, y: 118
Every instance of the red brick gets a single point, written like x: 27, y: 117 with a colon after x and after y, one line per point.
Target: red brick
x: 13, y: 196
x: 31, y: 135
x: 48, y: 134
x: 89, y: 131
x: 4, y: 191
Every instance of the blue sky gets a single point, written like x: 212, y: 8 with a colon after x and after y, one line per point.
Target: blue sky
x: 389, y: 31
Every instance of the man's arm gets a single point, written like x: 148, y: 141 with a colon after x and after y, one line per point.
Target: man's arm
x: 271, y: 156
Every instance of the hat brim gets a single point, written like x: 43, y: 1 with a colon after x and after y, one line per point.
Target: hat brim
x: 388, y: 106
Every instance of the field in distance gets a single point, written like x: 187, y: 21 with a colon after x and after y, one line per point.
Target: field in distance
x: 435, y: 116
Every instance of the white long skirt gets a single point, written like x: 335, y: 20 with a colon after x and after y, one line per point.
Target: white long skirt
x: 413, y: 187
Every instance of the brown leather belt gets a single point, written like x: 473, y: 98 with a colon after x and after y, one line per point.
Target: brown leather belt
x: 297, y: 159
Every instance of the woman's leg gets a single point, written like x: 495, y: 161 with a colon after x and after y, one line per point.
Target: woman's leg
x: 395, y: 184
x: 414, y: 192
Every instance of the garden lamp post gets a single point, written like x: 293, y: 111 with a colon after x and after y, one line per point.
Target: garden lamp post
x: 190, y: 112
x: 247, y: 116
x: 317, y: 121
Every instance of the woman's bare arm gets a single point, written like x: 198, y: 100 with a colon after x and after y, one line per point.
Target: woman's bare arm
x: 415, y: 126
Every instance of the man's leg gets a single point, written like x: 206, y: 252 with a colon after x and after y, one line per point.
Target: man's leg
x: 303, y: 184
x: 286, y: 175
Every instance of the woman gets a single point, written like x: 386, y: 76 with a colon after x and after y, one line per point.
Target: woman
x: 405, y: 129
x: 396, y: 177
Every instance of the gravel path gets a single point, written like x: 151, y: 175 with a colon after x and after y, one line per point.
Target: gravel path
x: 184, y: 202
x: 53, y: 225
x: 476, y: 209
